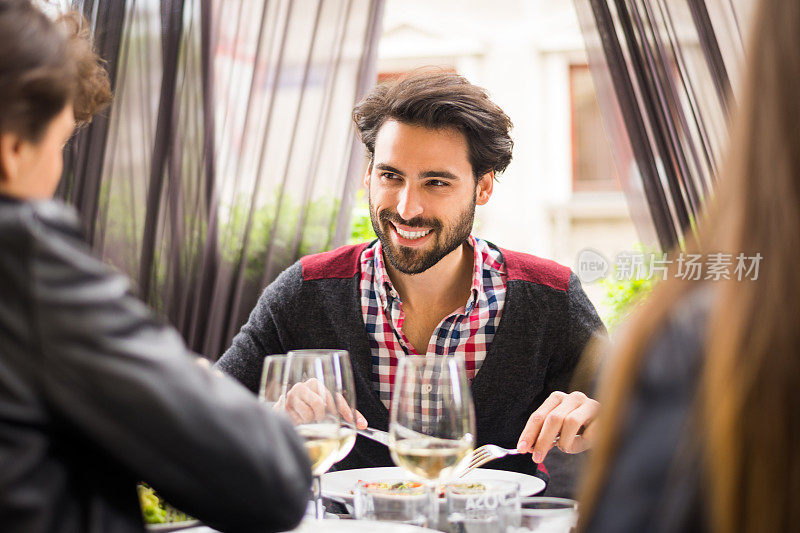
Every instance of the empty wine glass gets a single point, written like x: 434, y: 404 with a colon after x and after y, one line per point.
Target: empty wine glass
x: 548, y: 515
x: 432, y: 417
x: 272, y: 389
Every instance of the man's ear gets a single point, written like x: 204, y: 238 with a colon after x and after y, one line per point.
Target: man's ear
x: 483, y: 190
x: 367, y: 175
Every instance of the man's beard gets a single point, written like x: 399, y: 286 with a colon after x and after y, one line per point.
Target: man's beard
x: 410, y: 260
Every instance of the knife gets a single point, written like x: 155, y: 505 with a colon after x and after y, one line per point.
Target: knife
x: 375, y: 434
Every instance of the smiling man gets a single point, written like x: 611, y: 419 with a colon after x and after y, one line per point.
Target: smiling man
x: 427, y: 286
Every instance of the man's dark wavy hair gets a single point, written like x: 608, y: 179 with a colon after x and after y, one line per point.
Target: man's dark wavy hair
x: 437, y: 100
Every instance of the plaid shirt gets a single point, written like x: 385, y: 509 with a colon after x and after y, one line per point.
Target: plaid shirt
x: 466, y: 332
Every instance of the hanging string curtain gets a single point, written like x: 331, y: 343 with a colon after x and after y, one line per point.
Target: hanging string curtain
x: 85, y: 154
x: 665, y: 73
x: 228, y: 152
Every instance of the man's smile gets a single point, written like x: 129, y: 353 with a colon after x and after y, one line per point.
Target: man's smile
x: 408, y: 235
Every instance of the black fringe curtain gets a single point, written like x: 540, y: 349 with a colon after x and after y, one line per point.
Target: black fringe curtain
x: 228, y: 152
x: 665, y: 73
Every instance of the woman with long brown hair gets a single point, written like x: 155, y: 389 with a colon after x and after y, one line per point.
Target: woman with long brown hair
x: 700, y: 428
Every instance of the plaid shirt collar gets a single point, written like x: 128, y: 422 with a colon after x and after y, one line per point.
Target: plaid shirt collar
x: 387, y: 293
x: 466, y: 332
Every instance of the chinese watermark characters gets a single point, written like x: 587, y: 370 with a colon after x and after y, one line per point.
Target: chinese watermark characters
x: 628, y: 266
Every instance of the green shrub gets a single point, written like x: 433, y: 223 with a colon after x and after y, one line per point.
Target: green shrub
x: 623, y: 295
x: 362, y: 225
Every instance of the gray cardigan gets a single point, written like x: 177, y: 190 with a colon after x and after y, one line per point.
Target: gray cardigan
x: 547, y: 320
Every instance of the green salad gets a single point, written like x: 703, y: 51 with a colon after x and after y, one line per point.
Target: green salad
x: 155, y: 510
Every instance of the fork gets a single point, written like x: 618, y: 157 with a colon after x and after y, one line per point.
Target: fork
x: 484, y: 454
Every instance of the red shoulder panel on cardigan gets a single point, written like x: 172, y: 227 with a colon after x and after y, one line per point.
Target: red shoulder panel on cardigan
x: 340, y: 263
x: 528, y: 267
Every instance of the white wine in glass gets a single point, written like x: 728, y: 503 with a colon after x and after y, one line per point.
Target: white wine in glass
x: 305, y: 391
x: 345, y: 395
x: 345, y: 383
x: 322, y: 445
x: 347, y: 438
x: 432, y: 417
x: 430, y: 458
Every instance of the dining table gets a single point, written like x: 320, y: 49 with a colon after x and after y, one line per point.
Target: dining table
x: 338, y: 496
x: 329, y: 525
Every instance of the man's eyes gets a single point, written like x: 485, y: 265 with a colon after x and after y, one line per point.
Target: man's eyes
x: 433, y: 183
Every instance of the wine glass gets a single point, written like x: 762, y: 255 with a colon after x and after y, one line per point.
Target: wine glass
x: 345, y: 396
x: 432, y: 417
x: 548, y: 515
x: 272, y: 389
x: 303, y: 387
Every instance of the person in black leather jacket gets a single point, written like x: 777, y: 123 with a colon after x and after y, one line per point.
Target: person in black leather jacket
x: 96, y: 393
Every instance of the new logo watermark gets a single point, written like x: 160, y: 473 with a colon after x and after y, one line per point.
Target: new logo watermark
x: 592, y: 265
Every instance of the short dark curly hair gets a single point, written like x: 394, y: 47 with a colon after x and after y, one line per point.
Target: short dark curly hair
x: 436, y: 100
x: 45, y: 65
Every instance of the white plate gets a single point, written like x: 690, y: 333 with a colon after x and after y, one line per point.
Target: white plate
x: 172, y: 526
x: 309, y: 525
x: 340, y: 485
